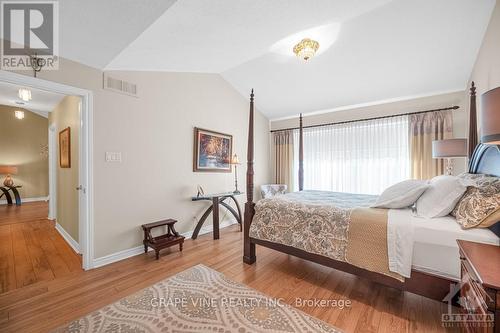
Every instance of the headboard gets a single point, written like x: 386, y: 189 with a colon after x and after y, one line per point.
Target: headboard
x: 486, y: 160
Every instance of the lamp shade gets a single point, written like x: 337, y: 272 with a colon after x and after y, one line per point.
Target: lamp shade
x: 8, y: 170
x: 449, y: 148
x: 490, y: 117
x: 235, y: 159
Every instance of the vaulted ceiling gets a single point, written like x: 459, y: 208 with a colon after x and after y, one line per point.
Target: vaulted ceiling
x: 93, y: 32
x: 379, y: 49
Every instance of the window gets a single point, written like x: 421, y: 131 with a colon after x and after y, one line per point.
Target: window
x: 359, y: 157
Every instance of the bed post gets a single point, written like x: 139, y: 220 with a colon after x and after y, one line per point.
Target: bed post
x: 248, y: 246
x: 472, y: 121
x: 301, y: 155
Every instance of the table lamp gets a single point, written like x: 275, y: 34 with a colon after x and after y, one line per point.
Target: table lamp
x: 448, y: 149
x: 8, y: 170
x: 490, y: 117
x: 235, y: 161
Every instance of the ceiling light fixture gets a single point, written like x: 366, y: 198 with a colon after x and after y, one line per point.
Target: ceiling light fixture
x: 19, y: 114
x: 25, y: 94
x: 306, y: 48
x: 325, y: 35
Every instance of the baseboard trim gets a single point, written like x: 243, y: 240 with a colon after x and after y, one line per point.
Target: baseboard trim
x: 124, y: 254
x: 67, y: 237
x: 23, y: 200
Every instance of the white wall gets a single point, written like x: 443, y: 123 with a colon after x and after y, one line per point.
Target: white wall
x: 460, y: 121
x: 154, y: 133
x: 486, y: 71
x: 67, y: 114
x: 21, y: 142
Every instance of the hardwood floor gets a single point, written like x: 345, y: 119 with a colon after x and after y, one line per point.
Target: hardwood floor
x: 31, y: 250
x: 47, y: 304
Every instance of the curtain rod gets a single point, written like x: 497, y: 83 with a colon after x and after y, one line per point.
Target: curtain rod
x: 365, y: 119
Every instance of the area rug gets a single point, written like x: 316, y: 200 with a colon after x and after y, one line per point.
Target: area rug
x: 198, y: 299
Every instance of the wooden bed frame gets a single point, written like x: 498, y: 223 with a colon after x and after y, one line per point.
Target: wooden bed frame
x: 486, y: 159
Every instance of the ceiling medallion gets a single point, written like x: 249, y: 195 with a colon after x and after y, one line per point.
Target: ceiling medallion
x: 306, y: 48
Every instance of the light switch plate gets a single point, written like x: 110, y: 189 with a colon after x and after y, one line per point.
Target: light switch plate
x: 113, y: 156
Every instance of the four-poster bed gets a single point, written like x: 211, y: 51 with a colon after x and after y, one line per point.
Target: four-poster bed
x: 484, y: 160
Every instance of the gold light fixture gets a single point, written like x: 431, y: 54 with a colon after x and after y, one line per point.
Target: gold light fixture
x: 25, y: 94
x: 19, y: 114
x: 306, y: 48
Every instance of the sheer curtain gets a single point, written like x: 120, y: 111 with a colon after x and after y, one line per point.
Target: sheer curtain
x: 359, y: 157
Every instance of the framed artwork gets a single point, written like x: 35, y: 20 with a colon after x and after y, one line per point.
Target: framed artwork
x: 65, y: 148
x: 212, y: 151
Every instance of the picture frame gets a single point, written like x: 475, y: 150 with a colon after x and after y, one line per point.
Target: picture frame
x: 65, y: 148
x: 212, y: 151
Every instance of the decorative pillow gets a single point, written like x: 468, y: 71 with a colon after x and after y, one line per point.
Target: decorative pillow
x: 470, y: 179
x: 490, y: 220
x: 271, y: 190
x: 441, y: 197
x: 480, y: 203
x: 401, y: 195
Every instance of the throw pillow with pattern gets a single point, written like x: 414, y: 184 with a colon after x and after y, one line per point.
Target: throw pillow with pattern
x: 480, y: 203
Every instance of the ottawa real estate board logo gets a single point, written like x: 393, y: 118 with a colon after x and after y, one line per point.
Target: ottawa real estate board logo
x: 473, y: 314
x: 30, y: 35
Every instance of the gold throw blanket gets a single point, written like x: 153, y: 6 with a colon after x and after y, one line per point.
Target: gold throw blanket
x: 367, y: 245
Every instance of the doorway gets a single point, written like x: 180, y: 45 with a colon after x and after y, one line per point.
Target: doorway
x: 84, y: 188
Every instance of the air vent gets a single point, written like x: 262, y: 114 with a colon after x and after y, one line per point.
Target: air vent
x: 119, y: 86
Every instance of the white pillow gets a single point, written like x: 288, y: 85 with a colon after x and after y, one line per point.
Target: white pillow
x: 402, y: 195
x: 441, y: 197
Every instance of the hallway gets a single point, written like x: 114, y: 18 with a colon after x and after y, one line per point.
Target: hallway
x: 31, y: 249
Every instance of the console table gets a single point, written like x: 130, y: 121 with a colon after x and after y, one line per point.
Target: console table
x: 5, y: 192
x: 217, y: 199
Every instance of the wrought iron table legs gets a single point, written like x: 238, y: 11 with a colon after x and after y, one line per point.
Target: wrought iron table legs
x: 8, y: 197
x: 216, y: 201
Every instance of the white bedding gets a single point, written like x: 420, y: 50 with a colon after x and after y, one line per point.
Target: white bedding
x: 434, y: 249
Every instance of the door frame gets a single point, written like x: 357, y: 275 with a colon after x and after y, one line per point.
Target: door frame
x: 86, y: 174
x: 52, y: 172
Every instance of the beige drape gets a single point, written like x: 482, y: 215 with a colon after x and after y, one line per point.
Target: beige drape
x: 424, y: 128
x: 282, y: 151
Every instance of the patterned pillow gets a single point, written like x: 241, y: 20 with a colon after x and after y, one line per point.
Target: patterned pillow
x: 471, y: 179
x: 271, y: 190
x: 480, y: 203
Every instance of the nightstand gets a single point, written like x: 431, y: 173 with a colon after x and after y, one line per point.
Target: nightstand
x: 480, y: 285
